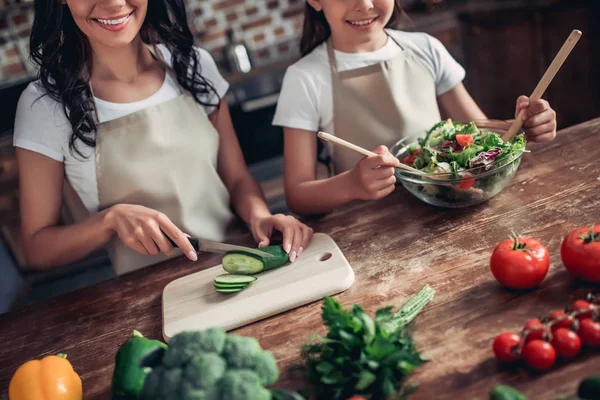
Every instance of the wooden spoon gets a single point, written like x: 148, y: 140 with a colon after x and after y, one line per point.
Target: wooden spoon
x: 541, y: 87
x: 357, y: 149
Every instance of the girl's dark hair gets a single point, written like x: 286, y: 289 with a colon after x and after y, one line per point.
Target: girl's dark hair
x: 62, y: 52
x: 316, y: 29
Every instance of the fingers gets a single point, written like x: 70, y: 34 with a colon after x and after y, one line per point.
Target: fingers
x: 296, y: 242
x: 143, y: 237
x: 135, y: 245
x: 522, y: 103
x: 307, y: 233
x: 176, y: 236
x: 542, y: 133
x: 383, y: 159
x: 381, y: 173
x: 385, y: 191
x: 260, y: 235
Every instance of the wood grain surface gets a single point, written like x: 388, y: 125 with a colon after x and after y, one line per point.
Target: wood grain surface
x: 395, y: 246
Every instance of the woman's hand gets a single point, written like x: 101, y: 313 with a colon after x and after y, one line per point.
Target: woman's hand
x: 296, y: 235
x: 539, y: 119
x: 143, y: 230
x: 373, y: 177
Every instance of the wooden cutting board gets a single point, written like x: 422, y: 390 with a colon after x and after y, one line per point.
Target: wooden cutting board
x: 192, y: 303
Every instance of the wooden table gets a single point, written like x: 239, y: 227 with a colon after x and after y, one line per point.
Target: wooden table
x: 396, y: 246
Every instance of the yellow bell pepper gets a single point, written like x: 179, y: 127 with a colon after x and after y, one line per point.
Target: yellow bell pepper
x: 51, y: 378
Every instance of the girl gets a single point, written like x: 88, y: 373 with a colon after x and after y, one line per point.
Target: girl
x: 134, y: 117
x: 370, y: 85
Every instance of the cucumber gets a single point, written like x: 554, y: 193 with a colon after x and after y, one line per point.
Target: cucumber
x: 240, y: 262
x: 589, y: 388
x: 229, y: 290
x: 504, y: 392
x: 234, y: 279
x: 220, y: 286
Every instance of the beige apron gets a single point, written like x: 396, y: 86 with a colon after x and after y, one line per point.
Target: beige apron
x: 165, y: 158
x: 381, y: 103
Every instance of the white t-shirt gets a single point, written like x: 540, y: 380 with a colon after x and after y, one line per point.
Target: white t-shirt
x: 306, y: 100
x: 41, y: 126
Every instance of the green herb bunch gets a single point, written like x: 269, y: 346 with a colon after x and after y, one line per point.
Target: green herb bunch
x: 364, y: 356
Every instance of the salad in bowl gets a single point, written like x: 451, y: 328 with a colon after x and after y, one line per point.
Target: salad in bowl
x: 459, y: 164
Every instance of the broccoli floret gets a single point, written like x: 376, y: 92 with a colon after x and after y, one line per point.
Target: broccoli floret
x: 205, y: 370
x: 212, y: 365
x: 242, y: 385
x: 241, y: 351
x: 265, y: 367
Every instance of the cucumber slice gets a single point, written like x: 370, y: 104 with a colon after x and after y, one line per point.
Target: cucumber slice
x: 233, y: 279
x: 229, y: 290
x: 221, y: 286
x: 240, y: 262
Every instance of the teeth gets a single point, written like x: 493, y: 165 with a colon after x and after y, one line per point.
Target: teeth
x: 363, y: 22
x: 113, y: 21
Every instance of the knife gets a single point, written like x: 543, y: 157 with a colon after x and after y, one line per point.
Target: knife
x: 217, y: 247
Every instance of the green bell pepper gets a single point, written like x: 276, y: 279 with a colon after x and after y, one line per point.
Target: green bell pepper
x: 129, y: 374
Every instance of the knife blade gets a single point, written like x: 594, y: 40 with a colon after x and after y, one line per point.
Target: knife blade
x: 217, y: 247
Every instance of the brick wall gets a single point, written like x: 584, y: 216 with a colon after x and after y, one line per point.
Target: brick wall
x: 269, y: 27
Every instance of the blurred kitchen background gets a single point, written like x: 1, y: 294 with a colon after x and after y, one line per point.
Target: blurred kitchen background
x: 505, y: 46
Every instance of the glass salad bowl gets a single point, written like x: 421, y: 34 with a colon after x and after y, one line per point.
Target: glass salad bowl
x: 454, y: 187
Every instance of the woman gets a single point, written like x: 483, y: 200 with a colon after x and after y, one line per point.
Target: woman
x: 132, y: 115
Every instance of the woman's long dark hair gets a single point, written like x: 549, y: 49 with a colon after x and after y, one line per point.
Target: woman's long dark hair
x: 62, y: 52
x: 316, y: 28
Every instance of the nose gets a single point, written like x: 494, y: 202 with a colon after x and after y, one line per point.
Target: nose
x: 112, y: 5
x: 363, y: 5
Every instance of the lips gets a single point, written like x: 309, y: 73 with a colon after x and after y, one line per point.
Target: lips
x: 115, y: 23
x: 362, y: 23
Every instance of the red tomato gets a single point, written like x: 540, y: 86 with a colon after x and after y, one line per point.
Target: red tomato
x: 589, y: 331
x: 506, y: 345
x: 467, y: 183
x: 580, y: 253
x: 464, y: 140
x: 580, y: 305
x: 537, y: 333
x: 520, y: 266
x: 411, y: 158
x: 563, y: 323
x: 566, y: 343
x: 539, y: 354
x: 356, y: 398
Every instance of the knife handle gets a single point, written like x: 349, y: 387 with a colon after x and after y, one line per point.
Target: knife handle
x: 193, y: 242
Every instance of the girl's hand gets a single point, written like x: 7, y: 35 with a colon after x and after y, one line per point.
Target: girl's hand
x: 539, y: 119
x: 296, y: 235
x: 143, y: 230
x: 373, y: 177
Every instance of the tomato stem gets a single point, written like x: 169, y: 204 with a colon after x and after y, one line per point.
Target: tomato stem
x: 518, y: 245
x: 590, y: 237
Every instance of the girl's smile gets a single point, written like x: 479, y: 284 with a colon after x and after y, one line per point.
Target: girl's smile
x: 363, y: 24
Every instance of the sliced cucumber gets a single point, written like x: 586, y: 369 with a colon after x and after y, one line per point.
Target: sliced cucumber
x: 221, y: 286
x: 229, y: 290
x: 234, y: 279
x: 239, y: 262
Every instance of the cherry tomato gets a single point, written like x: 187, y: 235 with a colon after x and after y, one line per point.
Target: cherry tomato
x: 563, y: 323
x: 464, y: 140
x: 580, y: 305
x: 356, y: 398
x: 521, y: 264
x: 589, y: 332
x: 411, y: 158
x: 537, y: 333
x: 506, y: 345
x: 539, y: 355
x: 580, y: 253
x: 566, y: 342
x: 466, y: 183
